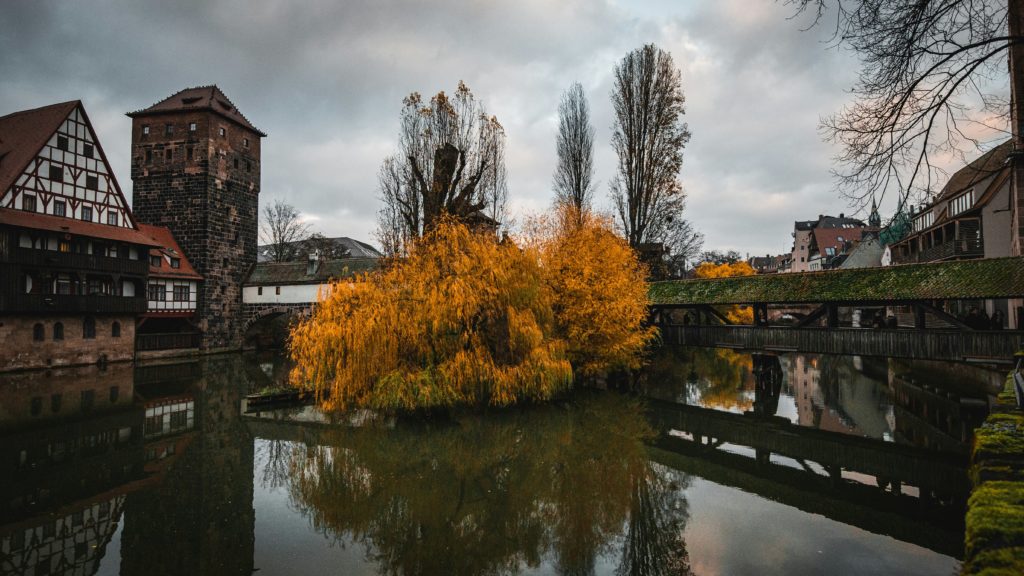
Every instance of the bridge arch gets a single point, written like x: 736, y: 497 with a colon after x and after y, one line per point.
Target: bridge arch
x: 263, y: 322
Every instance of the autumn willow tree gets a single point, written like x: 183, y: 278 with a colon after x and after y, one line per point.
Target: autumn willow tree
x: 467, y: 320
x: 450, y: 160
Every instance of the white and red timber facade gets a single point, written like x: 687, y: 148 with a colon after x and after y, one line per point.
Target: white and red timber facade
x: 86, y: 279
x: 73, y: 263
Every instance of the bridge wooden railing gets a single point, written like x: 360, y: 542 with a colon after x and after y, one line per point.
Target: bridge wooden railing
x: 996, y: 345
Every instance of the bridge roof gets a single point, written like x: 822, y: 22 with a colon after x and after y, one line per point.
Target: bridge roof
x: 958, y: 280
x: 285, y: 273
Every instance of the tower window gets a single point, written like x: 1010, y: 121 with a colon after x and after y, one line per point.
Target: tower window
x: 167, y: 155
x: 62, y: 142
x: 92, y: 182
x: 145, y: 130
x: 59, y: 208
x: 38, y: 332
x: 28, y: 202
x: 168, y: 129
x: 248, y: 166
x: 87, y: 213
x: 87, y: 150
x: 191, y: 126
x: 188, y: 152
x: 245, y: 142
x: 56, y: 173
x: 222, y: 132
x: 236, y: 163
x: 58, y: 331
x: 149, y: 156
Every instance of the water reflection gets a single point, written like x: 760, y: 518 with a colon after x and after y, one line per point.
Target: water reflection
x: 927, y: 404
x: 496, y: 493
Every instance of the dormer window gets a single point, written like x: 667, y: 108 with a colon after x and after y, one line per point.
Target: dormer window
x: 175, y: 262
x: 962, y: 203
x: 154, y: 261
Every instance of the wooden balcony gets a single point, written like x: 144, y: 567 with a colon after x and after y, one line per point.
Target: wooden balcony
x: 71, y: 304
x: 73, y: 261
x: 959, y: 249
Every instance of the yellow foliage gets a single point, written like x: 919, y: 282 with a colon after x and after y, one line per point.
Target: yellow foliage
x: 735, y: 314
x: 463, y: 320
x: 600, y: 295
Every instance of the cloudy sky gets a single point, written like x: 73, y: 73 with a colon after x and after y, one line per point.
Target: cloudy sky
x: 325, y: 80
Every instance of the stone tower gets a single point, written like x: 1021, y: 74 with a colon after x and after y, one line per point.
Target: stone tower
x: 196, y: 170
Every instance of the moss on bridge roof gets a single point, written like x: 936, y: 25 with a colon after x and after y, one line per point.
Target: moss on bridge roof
x: 959, y: 280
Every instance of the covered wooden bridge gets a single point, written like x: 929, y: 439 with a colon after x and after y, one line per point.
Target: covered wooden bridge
x: 911, y: 311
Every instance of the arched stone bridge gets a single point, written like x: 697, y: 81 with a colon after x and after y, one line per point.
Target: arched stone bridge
x: 257, y: 312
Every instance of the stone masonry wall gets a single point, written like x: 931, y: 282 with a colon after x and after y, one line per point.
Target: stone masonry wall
x: 209, y: 198
x: 22, y: 351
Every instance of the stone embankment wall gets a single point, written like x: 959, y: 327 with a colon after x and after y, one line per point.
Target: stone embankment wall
x: 994, y: 540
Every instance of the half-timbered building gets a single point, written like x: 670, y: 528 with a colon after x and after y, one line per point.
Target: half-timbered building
x: 171, y: 294
x: 73, y: 262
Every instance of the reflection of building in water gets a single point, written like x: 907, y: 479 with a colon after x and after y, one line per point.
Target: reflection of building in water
x: 71, y: 446
x: 72, y: 543
x: 932, y: 417
x: 840, y: 394
x: 199, y: 518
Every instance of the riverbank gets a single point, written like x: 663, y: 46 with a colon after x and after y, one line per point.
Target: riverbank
x: 994, y: 538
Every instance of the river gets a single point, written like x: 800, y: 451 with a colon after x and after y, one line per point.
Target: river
x: 725, y: 463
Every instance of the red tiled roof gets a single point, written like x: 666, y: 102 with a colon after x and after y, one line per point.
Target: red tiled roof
x: 163, y: 238
x: 829, y: 237
x: 36, y: 221
x: 23, y: 134
x: 199, y: 98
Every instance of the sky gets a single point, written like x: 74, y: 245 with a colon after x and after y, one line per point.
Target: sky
x: 325, y: 80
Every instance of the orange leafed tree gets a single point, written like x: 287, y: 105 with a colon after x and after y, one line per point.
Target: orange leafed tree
x: 735, y: 314
x: 464, y: 320
x: 600, y: 293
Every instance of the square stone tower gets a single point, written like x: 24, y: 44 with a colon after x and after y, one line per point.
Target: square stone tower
x: 196, y: 170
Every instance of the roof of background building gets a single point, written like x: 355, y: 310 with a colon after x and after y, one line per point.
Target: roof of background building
x: 355, y: 249
x: 283, y: 273
x: 866, y: 254
x: 168, y: 246
x: 37, y: 221
x: 23, y: 134
x: 199, y: 98
x: 977, y: 171
x: 964, y: 279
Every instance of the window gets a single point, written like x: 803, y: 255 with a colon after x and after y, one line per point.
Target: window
x: 115, y: 330
x: 222, y: 132
x: 58, y: 331
x: 181, y: 293
x: 28, y: 202
x: 62, y: 142
x: 92, y: 182
x: 962, y: 203
x: 37, y: 405
x: 115, y: 392
x: 87, y: 150
x: 168, y: 153
x: 191, y: 126
x: 188, y: 152
x: 64, y: 246
x: 56, y: 173
x: 236, y: 163
x: 248, y: 166
x: 145, y: 130
x: 55, y: 402
x: 87, y: 213
x: 259, y: 291
x: 88, y: 397
x: 830, y: 251
x: 59, y: 208
x: 840, y: 238
x: 149, y: 156
x: 63, y: 284
x: 923, y: 221
x: 175, y: 262
x: 245, y: 142
x: 112, y: 217
x: 157, y: 293
x: 38, y: 332
x: 89, y: 327
x: 168, y: 129
x: 154, y: 261
x: 277, y: 290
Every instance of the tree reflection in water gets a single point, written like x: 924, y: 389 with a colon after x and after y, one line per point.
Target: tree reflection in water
x: 710, y: 377
x: 490, y: 494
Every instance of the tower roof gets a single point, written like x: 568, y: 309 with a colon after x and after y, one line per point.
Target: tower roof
x: 199, y: 98
x: 23, y: 134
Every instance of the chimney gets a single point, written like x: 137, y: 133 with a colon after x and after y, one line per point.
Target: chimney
x: 313, y: 263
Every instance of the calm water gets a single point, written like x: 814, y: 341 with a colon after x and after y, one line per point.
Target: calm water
x: 736, y: 464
